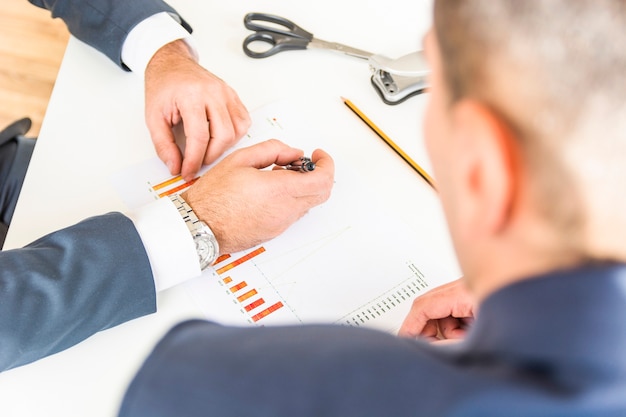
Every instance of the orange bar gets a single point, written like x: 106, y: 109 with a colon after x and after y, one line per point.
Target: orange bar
x: 237, y: 287
x: 267, y: 311
x: 240, y: 260
x: 254, y: 304
x: 247, y: 295
x: 227, y: 280
x: 167, y: 182
x: 221, y: 259
x: 179, y: 188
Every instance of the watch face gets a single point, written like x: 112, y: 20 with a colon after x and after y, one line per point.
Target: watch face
x: 207, y: 250
x: 204, y: 249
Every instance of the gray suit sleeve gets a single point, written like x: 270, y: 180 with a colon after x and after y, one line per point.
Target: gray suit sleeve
x: 69, y: 285
x: 104, y: 24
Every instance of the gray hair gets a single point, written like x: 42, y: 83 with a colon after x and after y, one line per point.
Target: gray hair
x: 555, y: 70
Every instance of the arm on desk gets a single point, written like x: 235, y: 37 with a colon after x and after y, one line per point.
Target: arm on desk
x: 68, y: 285
x: 178, y: 89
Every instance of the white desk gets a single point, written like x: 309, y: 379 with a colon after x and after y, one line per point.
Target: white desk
x: 95, y: 127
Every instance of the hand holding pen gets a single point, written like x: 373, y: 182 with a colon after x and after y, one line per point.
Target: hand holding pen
x: 245, y: 204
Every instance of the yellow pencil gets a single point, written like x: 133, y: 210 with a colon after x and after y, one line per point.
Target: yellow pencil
x: 391, y: 143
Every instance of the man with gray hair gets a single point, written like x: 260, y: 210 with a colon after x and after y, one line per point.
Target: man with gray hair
x: 526, y: 129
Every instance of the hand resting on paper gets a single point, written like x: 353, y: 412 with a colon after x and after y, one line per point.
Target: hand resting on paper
x: 178, y: 90
x: 246, y: 205
x: 440, y: 314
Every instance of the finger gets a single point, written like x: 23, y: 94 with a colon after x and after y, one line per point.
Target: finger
x: 418, y: 319
x: 264, y: 154
x: 319, y: 157
x: 415, y: 324
x: 448, y: 300
x: 310, y: 192
x: 197, y: 140
x: 222, y: 132
x: 452, y: 328
x: 165, y: 144
x: 239, y: 116
x: 430, y: 330
x: 318, y: 182
x: 425, y: 311
x: 323, y: 160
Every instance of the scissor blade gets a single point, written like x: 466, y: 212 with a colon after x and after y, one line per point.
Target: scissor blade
x: 334, y: 46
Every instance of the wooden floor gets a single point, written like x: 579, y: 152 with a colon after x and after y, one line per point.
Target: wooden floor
x: 31, y: 49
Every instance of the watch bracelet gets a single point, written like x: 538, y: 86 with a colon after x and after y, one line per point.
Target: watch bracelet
x: 186, y: 212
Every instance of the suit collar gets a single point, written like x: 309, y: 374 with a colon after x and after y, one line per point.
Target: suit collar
x: 570, y: 321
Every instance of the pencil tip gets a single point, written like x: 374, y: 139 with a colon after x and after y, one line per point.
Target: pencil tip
x: 342, y: 98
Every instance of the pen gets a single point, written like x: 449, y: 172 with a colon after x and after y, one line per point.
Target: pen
x: 303, y: 164
x: 391, y: 143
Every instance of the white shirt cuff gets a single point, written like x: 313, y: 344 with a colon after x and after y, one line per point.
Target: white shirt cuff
x: 168, y: 243
x: 145, y: 39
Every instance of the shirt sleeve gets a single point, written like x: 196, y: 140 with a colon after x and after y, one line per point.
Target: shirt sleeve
x: 147, y: 37
x: 168, y: 243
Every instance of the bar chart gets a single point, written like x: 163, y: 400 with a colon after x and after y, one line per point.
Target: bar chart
x: 347, y: 261
x: 327, y: 276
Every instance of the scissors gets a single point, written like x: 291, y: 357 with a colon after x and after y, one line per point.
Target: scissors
x: 285, y: 35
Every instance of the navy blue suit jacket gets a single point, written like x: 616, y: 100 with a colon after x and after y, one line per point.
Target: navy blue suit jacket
x: 69, y: 285
x: 549, y: 346
x: 104, y: 24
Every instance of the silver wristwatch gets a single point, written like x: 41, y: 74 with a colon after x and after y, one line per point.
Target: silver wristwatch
x: 203, y: 237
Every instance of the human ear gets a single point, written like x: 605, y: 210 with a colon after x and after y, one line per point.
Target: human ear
x: 489, y: 164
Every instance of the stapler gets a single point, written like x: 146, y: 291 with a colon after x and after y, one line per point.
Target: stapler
x: 396, y: 80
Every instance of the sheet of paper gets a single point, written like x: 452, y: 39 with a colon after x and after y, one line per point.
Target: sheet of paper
x: 347, y: 261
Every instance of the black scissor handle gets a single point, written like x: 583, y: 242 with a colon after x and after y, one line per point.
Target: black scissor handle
x: 277, y: 43
x: 291, y: 29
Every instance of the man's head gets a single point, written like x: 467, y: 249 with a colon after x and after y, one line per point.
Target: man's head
x: 526, y: 126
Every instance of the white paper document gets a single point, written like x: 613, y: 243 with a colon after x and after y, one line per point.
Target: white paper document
x: 347, y: 261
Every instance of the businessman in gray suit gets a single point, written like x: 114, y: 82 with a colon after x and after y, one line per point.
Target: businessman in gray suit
x: 151, y: 39
x: 526, y: 129
x: 106, y: 270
